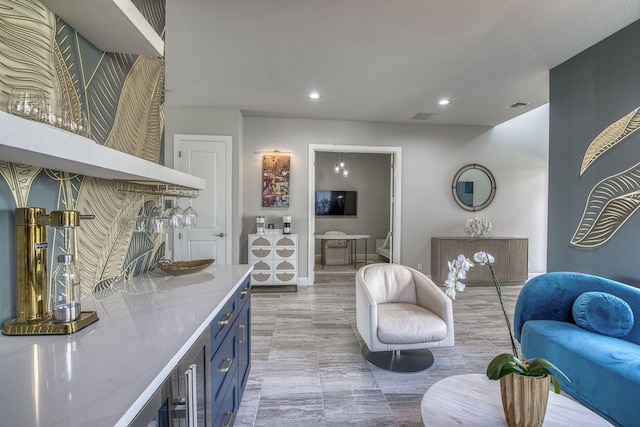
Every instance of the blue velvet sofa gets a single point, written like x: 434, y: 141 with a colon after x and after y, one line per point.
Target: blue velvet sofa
x: 604, y: 370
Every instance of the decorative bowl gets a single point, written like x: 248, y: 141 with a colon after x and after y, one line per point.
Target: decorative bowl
x: 183, y: 267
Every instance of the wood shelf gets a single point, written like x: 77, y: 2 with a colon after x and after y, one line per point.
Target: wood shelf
x: 110, y: 25
x: 37, y: 144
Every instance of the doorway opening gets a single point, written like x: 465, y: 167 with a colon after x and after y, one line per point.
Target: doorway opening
x: 387, y: 162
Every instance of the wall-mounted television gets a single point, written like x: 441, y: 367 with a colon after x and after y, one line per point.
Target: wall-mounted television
x: 336, y: 203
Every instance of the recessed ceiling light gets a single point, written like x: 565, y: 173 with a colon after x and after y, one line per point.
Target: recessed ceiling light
x: 444, y: 102
x: 314, y: 95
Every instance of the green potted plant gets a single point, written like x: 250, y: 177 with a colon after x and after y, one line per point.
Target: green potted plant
x: 524, y: 385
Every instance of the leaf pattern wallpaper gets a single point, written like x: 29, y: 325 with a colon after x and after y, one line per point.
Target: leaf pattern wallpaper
x: 616, y: 198
x: 122, y: 97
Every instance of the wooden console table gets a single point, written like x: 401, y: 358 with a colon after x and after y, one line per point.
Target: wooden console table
x: 511, y: 254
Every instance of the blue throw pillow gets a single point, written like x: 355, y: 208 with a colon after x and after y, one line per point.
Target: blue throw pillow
x: 603, y: 313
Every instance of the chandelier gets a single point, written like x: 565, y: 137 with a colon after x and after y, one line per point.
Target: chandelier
x: 341, y: 165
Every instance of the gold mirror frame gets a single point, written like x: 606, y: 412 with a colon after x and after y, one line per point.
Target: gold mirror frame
x: 491, y: 185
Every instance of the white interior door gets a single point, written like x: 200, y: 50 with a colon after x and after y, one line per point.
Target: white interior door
x: 207, y: 157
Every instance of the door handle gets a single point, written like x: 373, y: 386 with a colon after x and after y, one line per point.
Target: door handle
x: 219, y: 235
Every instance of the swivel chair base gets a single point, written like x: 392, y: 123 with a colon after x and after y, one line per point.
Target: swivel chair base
x: 399, y: 360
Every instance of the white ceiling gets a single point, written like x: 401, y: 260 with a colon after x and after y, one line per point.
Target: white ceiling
x: 378, y: 60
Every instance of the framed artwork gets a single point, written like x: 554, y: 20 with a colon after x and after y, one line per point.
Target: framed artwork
x: 275, y: 181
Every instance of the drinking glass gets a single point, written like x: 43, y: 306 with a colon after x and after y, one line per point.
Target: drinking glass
x: 161, y: 220
x: 153, y: 214
x: 190, y: 216
x: 27, y: 104
x: 142, y: 218
x: 176, y: 215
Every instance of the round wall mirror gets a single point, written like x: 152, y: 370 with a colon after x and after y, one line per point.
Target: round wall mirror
x: 473, y: 187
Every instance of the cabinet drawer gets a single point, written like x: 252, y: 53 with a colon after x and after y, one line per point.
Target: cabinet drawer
x: 256, y: 240
x: 261, y: 253
x: 261, y: 265
x: 284, y: 265
x: 228, y: 408
x: 224, y: 366
x: 286, y: 278
x: 221, y: 324
x: 244, y: 293
x: 261, y: 278
x: 289, y: 240
x: 285, y: 253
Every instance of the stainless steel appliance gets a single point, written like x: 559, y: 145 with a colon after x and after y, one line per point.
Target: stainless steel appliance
x: 184, y: 398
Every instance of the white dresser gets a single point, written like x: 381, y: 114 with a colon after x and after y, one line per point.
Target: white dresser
x: 275, y: 259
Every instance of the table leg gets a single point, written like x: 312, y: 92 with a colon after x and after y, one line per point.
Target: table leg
x: 365, y: 251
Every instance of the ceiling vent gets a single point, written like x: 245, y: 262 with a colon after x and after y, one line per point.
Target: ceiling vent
x: 519, y: 105
x: 423, y: 116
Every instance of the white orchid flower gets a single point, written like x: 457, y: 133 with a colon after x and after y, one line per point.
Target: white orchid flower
x: 484, y: 258
x: 457, y: 271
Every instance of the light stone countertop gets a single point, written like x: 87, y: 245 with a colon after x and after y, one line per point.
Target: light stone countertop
x: 103, y: 374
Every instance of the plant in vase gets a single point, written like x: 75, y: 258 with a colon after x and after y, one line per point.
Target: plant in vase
x: 530, y: 378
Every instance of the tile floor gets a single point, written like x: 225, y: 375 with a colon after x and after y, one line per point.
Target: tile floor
x: 307, y: 369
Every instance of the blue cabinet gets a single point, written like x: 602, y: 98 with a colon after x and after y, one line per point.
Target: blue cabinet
x: 231, y: 355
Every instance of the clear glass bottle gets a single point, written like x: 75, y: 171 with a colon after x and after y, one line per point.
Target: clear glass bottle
x: 65, y: 290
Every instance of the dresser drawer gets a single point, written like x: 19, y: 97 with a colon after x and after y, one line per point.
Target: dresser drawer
x: 284, y: 278
x: 261, y: 265
x: 285, y: 253
x: 261, y: 278
x: 260, y: 253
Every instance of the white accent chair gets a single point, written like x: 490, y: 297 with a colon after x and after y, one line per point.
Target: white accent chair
x: 383, y: 247
x: 400, y: 313
x: 336, y: 252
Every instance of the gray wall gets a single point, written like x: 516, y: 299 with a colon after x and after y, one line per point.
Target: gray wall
x: 516, y: 152
x: 210, y: 121
x: 588, y: 93
x: 370, y: 176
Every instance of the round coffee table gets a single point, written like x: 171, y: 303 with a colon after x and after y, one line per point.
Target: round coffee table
x: 474, y: 400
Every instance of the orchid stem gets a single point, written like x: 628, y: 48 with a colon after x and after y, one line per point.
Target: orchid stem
x: 504, y: 312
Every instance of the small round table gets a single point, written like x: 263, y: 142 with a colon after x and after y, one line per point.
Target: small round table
x: 474, y: 400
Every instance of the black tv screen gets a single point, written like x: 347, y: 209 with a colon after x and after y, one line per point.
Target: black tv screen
x: 336, y: 203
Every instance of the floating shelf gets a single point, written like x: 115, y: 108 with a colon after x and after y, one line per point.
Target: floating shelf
x: 37, y: 144
x: 110, y: 25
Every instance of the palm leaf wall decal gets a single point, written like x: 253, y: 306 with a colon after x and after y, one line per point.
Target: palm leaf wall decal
x: 68, y: 190
x: 104, y: 240
x: 103, y: 93
x: 26, y: 31
x: 70, y: 87
x: 97, y: 77
x: 611, y: 136
x: 154, y: 13
x: 139, y: 255
x: 19, y: 179
x: 138, y: 123
x: 609, y: 205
